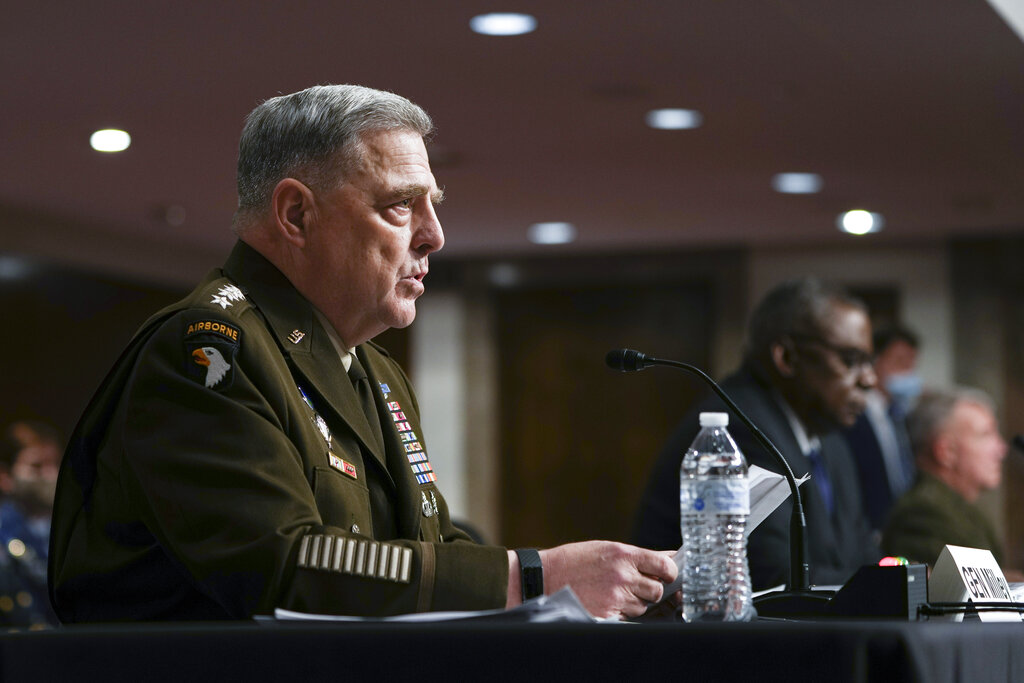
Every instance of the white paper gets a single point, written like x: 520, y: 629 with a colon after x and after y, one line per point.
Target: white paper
x: 767, y: 491
x: 563, y: 606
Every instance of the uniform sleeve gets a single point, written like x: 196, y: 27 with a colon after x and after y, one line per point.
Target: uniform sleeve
x: 213, y: 470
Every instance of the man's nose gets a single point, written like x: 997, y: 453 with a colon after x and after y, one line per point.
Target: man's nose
x: 867, y: 378
x: 429, y: 236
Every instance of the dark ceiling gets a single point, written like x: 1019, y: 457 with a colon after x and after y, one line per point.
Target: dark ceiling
x: 913, y: 109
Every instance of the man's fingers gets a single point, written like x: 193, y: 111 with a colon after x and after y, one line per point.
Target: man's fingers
x: 648, y: 590
x: 658, y: 565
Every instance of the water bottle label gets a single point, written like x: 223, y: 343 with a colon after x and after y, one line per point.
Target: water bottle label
x: 717, y: 497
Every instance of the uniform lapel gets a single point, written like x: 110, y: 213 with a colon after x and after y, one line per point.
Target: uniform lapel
x: 303, y: 341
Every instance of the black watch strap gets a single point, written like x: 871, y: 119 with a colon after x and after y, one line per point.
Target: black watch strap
x: 531, y: 572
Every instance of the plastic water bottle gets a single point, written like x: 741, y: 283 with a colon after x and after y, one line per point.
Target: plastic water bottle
x: 714, y: 501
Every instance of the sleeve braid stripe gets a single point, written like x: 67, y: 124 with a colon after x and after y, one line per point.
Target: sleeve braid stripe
x: 372, y: 559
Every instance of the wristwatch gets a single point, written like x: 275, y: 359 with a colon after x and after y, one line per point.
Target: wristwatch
x: 531, y: 572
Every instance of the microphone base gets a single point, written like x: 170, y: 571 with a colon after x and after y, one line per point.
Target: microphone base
x: 795, y: 604
x: 873, y: 593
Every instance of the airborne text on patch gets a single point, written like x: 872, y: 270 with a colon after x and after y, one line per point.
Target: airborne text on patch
x: 213, y: 326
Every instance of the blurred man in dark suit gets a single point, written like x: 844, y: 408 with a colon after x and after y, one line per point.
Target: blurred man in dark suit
x: 806, y: 371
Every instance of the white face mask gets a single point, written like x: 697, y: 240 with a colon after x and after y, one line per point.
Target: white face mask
x: 903, y: 389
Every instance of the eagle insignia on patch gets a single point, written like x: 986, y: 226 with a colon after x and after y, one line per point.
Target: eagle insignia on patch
x: 226, y: 295
x: 216, y: 365
x: 210, y: 348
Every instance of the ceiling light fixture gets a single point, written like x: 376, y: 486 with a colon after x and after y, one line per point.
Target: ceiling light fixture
x: 860, y: 222
x: 796, y: 183
x: 503, y: 24
x: 551, y: 233
x: 110, y: 140
x: 673, y: 119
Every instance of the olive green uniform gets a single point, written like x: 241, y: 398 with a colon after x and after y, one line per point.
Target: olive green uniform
x: 930, y: 516
x: 226, y: 467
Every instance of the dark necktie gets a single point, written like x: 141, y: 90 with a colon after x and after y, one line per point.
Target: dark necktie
x: 820, y: 476
x: 365, y: 393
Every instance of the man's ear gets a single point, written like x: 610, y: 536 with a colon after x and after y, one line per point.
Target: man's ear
x: 6, y: 481
x: 784, y: 357
x: 944, y: 451
x: 293, y: 209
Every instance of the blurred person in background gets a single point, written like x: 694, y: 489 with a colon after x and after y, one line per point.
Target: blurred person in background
x: 30, y: 453
x: 878, y: 439
x: 960, y: 452
x: 805, y: 373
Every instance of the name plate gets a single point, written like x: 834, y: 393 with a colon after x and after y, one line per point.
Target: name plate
x: 970, y: 575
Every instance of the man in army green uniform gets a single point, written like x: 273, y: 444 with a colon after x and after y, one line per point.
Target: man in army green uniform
x: 959, y: 451
x: 253, y: 449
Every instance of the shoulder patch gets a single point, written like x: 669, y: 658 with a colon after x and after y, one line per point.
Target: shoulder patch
x: 210, y: 348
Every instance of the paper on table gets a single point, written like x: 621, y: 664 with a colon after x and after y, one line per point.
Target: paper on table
x: 562, y: 606
x: 767, y: 491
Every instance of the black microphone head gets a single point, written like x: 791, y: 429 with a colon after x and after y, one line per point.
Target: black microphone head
x: 626, y: 360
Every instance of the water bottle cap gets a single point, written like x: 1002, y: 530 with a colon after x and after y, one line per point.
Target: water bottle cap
x: 714, y: 419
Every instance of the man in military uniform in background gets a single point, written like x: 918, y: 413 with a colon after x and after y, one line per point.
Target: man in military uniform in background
x: 254, y: 449
x: 29, y: 458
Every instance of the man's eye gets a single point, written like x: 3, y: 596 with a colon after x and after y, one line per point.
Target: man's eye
x: 406, y: 203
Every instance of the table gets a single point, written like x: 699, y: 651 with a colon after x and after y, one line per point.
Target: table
x: 297, y: 651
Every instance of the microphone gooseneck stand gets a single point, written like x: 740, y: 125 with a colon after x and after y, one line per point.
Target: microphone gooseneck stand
x: 798, y: 598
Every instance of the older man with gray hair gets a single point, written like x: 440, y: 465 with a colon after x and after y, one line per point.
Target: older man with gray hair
x: 959, y: 452
x: 253, y: 449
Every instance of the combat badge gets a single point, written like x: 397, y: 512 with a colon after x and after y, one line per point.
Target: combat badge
x: 210, y: 349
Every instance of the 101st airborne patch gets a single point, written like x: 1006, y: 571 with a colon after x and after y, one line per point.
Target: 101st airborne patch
x: 210, y: 349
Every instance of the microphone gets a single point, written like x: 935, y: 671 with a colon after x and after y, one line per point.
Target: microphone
x: 629, y: 360
x: 873, y: 591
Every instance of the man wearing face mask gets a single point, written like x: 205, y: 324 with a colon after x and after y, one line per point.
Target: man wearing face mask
x: 30, y: 455
x: 879, y: 441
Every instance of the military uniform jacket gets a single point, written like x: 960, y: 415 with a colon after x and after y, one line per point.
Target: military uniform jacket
x: 931, y: 515
x: 226, y: 468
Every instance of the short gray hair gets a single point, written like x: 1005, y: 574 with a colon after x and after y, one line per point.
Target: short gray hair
x: 797, y: 307
x: 313, y: 135
x: 933, y: 409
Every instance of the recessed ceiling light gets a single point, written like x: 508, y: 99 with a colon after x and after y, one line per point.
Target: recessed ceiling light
x: 110, y: 140
x: 860, y: 222
x: 796, y: 183
x: 503, y: 24
x: 673, y: 119
x: 551, y: 233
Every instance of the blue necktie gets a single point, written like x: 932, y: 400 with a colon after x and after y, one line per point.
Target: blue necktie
x: 820, y: 476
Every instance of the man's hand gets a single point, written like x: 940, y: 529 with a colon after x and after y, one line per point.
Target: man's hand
x: 612, y: 580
